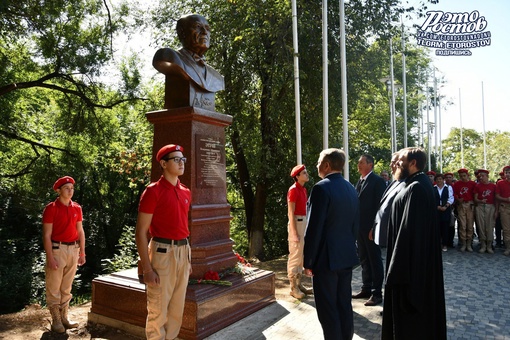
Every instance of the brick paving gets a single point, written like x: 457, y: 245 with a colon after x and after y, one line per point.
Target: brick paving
x: 477, y: 291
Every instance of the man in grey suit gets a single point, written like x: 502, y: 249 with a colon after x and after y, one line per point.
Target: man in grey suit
x: 370, y: 189
x: 330, y: 245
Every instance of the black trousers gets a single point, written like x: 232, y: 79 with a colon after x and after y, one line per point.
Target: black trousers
x: 372, y: 270
x: 332, y: 292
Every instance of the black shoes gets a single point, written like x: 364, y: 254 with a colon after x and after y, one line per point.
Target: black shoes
x: 373, y: 301
x: 362, y: 295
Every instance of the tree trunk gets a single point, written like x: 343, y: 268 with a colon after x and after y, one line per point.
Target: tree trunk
x: 257, y: 227
x: 244, y: 179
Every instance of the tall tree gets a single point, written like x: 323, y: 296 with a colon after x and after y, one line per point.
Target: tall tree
x: 61, y: 115
x: 56, y: 49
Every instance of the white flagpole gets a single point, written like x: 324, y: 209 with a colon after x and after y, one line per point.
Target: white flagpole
x: 461, y: 137
x: 296, y: 83
x: 393, y: 115
x: 343, y: 68
x: 428, y: 122
x: 325, y: 94
x: 404, y: 71
x: 440, y: 136
x: 484, y: 137
x: 420, y: 119
x: 435, y: 112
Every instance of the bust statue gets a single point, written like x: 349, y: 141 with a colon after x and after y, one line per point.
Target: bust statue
x: 189, y: 80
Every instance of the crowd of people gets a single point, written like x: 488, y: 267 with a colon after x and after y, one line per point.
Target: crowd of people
x: 478, y: 207
x: 411, y: 212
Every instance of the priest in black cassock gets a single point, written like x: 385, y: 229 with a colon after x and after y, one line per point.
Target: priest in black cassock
x: 414, y: 305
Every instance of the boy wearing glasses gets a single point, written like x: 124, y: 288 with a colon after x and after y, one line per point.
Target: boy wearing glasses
x: 163, y: 212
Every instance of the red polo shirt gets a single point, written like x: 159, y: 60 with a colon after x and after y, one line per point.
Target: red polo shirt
x: 503, y: 188
x: 169, y: 206
x: 464, y: 190
x: 64, y: 219
x: 486, y: 191
x: 297, y: 194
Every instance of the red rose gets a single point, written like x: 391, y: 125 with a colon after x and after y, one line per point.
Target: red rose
x: 211, y: 275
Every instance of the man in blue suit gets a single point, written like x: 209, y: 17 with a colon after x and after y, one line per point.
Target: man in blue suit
x: 330, y: 245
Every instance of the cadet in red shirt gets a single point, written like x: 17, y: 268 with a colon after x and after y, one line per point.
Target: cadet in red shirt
x: 432, y: 175
x: 296, y: 203
x: 485, y: 194
x: 463, y: 191
x: 166, y: 262
x: 503, y: 197
x: 64, y: 244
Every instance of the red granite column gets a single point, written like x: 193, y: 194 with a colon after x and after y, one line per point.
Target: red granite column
x: 202, y: 134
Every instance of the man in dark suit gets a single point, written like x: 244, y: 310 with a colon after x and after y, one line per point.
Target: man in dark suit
x: 386, y: 177
x: 330, y: 245
x: 370, y: 189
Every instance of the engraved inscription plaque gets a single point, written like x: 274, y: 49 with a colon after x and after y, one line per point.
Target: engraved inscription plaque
x: 210, y: 155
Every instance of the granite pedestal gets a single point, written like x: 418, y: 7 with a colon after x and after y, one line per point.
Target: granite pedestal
x: 119, y: 300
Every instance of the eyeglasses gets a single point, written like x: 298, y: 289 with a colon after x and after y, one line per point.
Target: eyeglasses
x: 177, y: 159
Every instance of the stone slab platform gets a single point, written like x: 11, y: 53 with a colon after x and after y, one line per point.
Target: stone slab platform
x: 119, y: 297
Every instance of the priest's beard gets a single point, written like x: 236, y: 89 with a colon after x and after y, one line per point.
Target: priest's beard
x: 404, y: 172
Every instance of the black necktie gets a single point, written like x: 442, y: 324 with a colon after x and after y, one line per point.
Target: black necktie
x: 360, y: 185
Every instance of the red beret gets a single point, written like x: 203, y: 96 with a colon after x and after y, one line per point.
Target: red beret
x: 433, y: 173
x: 483, y: 170
x: 61, y: 181
x: 296, y: 170
x: 448, y: 174
x: 463, y: 170
x: 506, y: 168
x: 167, y: 149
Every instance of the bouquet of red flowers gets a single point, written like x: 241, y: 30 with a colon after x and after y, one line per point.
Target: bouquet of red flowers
x: 211, y: 277
x: 242, y: 267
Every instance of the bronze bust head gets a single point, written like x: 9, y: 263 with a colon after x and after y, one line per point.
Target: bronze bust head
x: 189, y: 80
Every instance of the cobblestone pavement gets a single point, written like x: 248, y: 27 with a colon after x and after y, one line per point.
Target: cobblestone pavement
x: 477, y: 291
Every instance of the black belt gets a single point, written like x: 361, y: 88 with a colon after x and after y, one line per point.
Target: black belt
x: 300, y: 220
x: 182, y: 242
x: 66, y: 243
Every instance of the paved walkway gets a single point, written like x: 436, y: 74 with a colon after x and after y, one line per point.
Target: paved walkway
x: 477, y: 290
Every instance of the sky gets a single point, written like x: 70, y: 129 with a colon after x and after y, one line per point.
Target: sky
x: 465, y: 74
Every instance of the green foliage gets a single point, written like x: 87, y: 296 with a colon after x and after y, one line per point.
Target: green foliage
x: 15, y: 279
x: 126, y: 255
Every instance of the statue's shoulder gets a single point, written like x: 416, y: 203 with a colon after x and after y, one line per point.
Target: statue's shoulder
x: 165, y: 56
